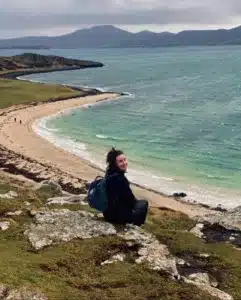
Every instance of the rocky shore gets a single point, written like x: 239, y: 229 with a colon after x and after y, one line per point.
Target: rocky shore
x: 17, y: 164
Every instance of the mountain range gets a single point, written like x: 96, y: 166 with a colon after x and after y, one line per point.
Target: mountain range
x: 111, y: 36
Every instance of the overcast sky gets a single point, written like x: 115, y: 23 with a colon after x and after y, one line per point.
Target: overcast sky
x: 55, y: 17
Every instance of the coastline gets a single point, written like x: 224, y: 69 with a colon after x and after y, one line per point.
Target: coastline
x: 25, y: 143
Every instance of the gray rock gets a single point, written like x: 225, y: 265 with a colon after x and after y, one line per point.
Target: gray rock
x: 156, y: 255
x: 181, y: 262
x: 231, y: 220
x: 3, y: 291
x: 25, y: 294
x: 213, y: 282
x: 73, y: 199
x: 14, y: 213
x: 66, y: 194
x: 20, y: 294
x: 63, y: 225
x: 197, y: 230
x: 9, y: 195
x: 4, y: 226
x: 200, y: 281
x: 33, y: 212
x: 204, y: 255
x: 53, y: 186
x: 200, y: 278
x: 116, y: 258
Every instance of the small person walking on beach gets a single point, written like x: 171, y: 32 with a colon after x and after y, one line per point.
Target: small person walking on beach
x: 113, y: 196
x: 15, y: 120
x: 20, y: 121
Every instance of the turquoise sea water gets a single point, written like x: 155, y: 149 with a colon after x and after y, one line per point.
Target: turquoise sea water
x: 180, y: 126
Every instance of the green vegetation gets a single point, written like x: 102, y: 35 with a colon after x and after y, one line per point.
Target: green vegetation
x: 73, y: 271
x: 14, y: 92
x: 171, y: 228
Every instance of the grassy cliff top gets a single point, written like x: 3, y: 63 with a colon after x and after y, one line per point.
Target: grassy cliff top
x: 15, y: 92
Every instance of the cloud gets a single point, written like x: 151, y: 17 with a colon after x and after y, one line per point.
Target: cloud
x: 27, y: 15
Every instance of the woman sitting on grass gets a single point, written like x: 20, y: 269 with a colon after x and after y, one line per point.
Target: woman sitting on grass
x: 123, y: 207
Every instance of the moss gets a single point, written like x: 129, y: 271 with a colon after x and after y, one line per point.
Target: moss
x: 166, y: 219
x: 46, y: 192
x: 73, y: 271
x: 6, y: 187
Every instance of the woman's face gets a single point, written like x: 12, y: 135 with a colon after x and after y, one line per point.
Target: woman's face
x: 122, y: 162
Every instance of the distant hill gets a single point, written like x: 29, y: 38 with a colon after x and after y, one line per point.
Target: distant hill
x: 110, y: 36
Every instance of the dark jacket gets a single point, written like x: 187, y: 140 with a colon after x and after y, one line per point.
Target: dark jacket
x: 120, y: 197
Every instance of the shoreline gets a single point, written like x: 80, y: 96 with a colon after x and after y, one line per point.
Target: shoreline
x: 134, y: 178
x: 53, y: 160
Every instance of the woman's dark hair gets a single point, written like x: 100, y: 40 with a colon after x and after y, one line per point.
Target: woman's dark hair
x: 111, y: 159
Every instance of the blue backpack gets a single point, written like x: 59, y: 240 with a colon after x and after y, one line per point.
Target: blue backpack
x: 97, y: 194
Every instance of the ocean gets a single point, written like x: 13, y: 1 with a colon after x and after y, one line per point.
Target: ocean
x: 179, y: 125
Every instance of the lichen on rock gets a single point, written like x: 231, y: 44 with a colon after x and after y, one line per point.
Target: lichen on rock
x: 70, y: 200
x: 20, y: 294
x: 4, y: 226
x: 52, y: 227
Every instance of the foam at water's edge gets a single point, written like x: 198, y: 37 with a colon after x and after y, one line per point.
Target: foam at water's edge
x: 101, y: 89
x: 26, y: 79
x: 163, y: 184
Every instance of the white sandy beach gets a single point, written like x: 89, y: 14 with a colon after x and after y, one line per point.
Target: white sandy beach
x: 22, y: 139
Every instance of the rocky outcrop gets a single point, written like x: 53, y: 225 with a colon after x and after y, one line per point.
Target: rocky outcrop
x: 29, y: 63
x: 51, y: 186
x: 14, y: 213
x: 4, y: 226
x: 9, y: 195
x: 231, y: 219
x: 151, y: 251
x: 115, y: 258
x: 197, y: 230
x: 202, y: 281
x: 223, y: 226
x: 70, y: 200
x: 17, y: 164
x: 20, y: 294
x: 57, y: 226
x: 52, y: 227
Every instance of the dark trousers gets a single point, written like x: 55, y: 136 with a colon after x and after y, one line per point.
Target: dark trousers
x: 123, y: 215
x: 139, y: 212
